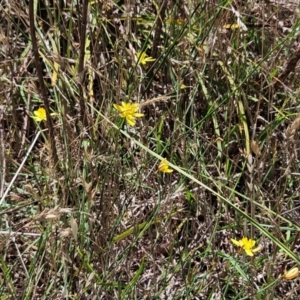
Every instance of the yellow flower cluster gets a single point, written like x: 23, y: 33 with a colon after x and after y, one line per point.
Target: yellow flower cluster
x: 247, y: 245
x: 164, y: 167
x: 39, y: 115
x: 143, y: 58
x: 129, y: 111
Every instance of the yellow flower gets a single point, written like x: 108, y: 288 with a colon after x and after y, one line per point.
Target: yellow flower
x: 247, y: 245
x: 128, y: 111
x: 39, y: 115
x: 164, y: 167
x: 143, y: 58
x: 291, y: 274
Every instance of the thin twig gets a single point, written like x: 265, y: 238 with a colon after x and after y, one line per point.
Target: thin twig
x: 2, y: 154
x: 13, y: 233
x: 20, y: 167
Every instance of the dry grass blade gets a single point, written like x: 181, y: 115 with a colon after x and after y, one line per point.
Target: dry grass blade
x: 155, y: 100
x: 292, y: 129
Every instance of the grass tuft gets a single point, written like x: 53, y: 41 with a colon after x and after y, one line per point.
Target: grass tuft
x: 149, y: 150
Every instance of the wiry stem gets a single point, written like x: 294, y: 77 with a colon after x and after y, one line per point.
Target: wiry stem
x: 42, y: 89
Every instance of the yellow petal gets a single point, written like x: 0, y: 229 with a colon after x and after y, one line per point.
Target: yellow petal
x: 248, y: 252
x: 143, y: 58
x: 130, y: 120
x: 237, y: 243
x: 255, y: 249
x: 140, y: 54
x: 118, y: 107
x: 149, y: 59
x: 134, y: 106
x: 245, y: 241
x: 137, y: 115
x: 126, y: 105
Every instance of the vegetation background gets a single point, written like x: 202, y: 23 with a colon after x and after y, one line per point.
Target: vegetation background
x: 84, y: 211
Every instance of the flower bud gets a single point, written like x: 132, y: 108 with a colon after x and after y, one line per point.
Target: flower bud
x: 291, y: 274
